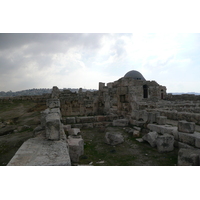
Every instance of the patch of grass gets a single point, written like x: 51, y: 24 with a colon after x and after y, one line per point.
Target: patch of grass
x: 129, y: 153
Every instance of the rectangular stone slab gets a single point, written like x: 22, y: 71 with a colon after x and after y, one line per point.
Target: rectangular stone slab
x: 41, y: 152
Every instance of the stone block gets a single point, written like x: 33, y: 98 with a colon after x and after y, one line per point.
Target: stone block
x: 197, y: 142
x: 182, y: 145
x: 151, y: 138
x: 186, y: 138
x: 188, y: 157
x: 137, y: 123
x: 74, y: 131
x: 43, y: 116
x: 53, y: 103
x: 152, y: 116
x: 85, y: 119
x: 175, y: 134
x: 70, y: 120
x: 101, y: 118
x: 76, y: 147
x: 161, y: 120
x: 165, y: 143
x: 120, y: 122
x: 40, y: 152
x: 161, y: 128
x: 77, y: 126
x: 88, y: 125
x: 53, y: 127
x: 67, y: 128
x: 186, y: 127
x: 113, y: 138
x: 55, y: 110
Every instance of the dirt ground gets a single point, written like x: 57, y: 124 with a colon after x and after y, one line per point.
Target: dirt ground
x: 129, y: 153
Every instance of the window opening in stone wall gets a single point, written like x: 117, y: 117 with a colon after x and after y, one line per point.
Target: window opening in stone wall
x: 145, y: 91
x: 122, y: 98
x: 161, y: 94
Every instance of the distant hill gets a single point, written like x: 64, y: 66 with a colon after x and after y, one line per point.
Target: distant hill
x: 34, y: 91
x: 179, y: 93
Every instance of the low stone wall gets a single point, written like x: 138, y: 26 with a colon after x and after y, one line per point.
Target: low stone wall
x: 174, y: 115
x: 49, y: 147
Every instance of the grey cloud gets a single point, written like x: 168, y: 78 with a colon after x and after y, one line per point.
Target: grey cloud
x: 50, y: 42
x: 39, y: 48
x: 119, y: 47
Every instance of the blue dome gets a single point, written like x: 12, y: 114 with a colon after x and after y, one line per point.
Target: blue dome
x: 135, y: 75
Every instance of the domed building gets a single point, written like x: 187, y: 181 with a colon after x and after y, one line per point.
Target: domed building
x: 125, y: 94
x: 135, y: 75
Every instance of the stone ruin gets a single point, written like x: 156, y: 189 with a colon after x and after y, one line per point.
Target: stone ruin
x: 50, y: 146
x: 129, y: 101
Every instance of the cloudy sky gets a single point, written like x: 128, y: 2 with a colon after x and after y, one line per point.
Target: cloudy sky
x: 83, y: 60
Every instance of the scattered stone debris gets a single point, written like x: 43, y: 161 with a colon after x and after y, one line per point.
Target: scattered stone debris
x: 114, y: 138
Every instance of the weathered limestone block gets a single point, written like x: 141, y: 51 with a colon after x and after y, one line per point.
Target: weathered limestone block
x: 186, y: 138
x: 101, y: 118
x: 76, y: 147
x: 53, y: 126
x: 140, y: 115
x: 53, y: 103
x: 88, y: 125
x: 85, y: 119
x: 182, y: 145
x: 43, y: 116
x: 165, y: 143
x: 186, y: 127
x: 151, y: 138
x: 137, y: 123
x: 161, y: 120
x: 175, y: 134
x: 74, y: 131
x: 70, y: 120
x: 161, y: 128
x: 120, y: 122
x: 188, y: 157
x: 55, y: 110
x: 62, y: 133
x: 197, y: 142
x: 40, y: 152
x: 67, y: 128
x: 77, y: 126
x: 152, y: 116
x: 113, y: 138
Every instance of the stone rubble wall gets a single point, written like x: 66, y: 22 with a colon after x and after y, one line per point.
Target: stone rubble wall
x: 185, y: 138
x: 174, y: 115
